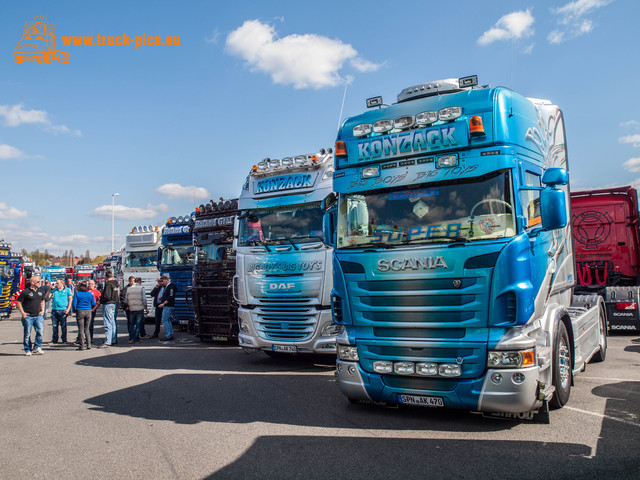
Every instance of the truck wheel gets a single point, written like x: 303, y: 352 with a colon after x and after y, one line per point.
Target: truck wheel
x: 602, y: 353
x: 46, y: 58
x: 561, y: 368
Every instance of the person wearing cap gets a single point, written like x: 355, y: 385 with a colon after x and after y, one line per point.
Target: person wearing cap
x: 30, y: 303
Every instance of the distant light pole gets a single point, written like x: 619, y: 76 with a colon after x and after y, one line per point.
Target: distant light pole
x: 113, y: 217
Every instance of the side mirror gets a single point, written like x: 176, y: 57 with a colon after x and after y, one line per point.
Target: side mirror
x: 328, y: 201
x: 555, y: 176
x: 329, y: 227
x: 236, y: 225
x: 159, y: 256
x: 553, y: 208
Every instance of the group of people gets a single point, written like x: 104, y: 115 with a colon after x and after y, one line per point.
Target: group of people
x: 84, y: 301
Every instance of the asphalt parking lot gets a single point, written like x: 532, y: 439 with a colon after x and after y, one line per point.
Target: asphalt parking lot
x: 195, y: 410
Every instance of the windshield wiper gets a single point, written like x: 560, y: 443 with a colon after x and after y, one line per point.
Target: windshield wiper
x: 457, y: 239
x: 292, y: 243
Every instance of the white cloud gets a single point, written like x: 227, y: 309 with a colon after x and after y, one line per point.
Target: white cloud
x: 528, y: 49
x: 15, y: 115
x: 63, y: 129
x: 24, y: 236
x: 634, y: 139
x: 175, y: 190
x: 304, y: 61
x: 8, y: 152
x: 129, y: 213
x: 10, y: 213
x: 633, y: 164
x: 214, y: 38
x: 513, y: 25
x: 572, y: 21
x: 631, y: 123
x: 364, y: 66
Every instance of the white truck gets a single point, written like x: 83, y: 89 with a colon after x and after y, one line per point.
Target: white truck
x: 140, y: 259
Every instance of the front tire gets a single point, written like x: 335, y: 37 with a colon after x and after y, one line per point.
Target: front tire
x: 562, y: 368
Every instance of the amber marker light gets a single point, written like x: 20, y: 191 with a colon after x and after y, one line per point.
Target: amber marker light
x: 476, y: 128
x: 528, y: 358
x: 341, y: 148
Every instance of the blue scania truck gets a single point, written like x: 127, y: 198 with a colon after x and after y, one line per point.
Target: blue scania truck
x: 176, y: 258
x: 454, y: 268
x: 283, y: 267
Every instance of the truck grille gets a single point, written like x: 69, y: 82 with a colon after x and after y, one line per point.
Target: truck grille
x: 286, y: 319
x: 439, y: 320
x: 215, y: 309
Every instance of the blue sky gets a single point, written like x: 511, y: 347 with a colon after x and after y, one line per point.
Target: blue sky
x: 168, y: 127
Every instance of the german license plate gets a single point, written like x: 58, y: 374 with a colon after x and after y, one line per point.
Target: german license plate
x: 217, y: 338
x: 284, y: 348
x: 421, y: 401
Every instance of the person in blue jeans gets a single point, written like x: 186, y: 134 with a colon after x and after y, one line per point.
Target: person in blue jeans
x: 136, y: 300
x: 83, y: 303
x: 109, y: 300
x: 60, y: 307
x: 30, y: 303
x: 167, y: 303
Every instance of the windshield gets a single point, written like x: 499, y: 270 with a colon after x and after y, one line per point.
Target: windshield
x: 214, y: 252
x: 182, y: 255
x: 6, y: 270
x: 141, y: 259
x: 281, y: 224
x: 462, y: 210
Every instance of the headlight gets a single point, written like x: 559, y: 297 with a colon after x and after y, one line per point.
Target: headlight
x: 511, y: 359
x: 332, y: 330
x: 362, y: 130
x: 287, y: 162
x: 404, y: 122
x: 328, y: 173
x: 383, y: 366
x: 346, y: 352
x: 449, y: 370
x: 404, y: 368
x: 449, y: 113
x: 244, y: 327
x: 426, y: 369
x: 426, y: 118
x: 382, y: 126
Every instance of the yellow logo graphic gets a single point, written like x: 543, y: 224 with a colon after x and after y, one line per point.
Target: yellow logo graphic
x: 39, y: 43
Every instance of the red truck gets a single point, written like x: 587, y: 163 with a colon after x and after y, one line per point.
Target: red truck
x: 606, y: 241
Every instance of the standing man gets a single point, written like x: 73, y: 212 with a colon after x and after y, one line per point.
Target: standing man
x: 47, y: 298
x: 109, y: 300
x: 96, y: 295
x: 123, y: 301
x: 71, y: 286
x: 137, y: 301
x: 156, y: 293
x: 31, y: 307
x: 167, y: 302
x: 60, y: 308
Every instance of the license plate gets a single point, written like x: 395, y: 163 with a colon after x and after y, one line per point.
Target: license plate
x: 421, y: 401
x: 284, y: 348
x: 219, y: 339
